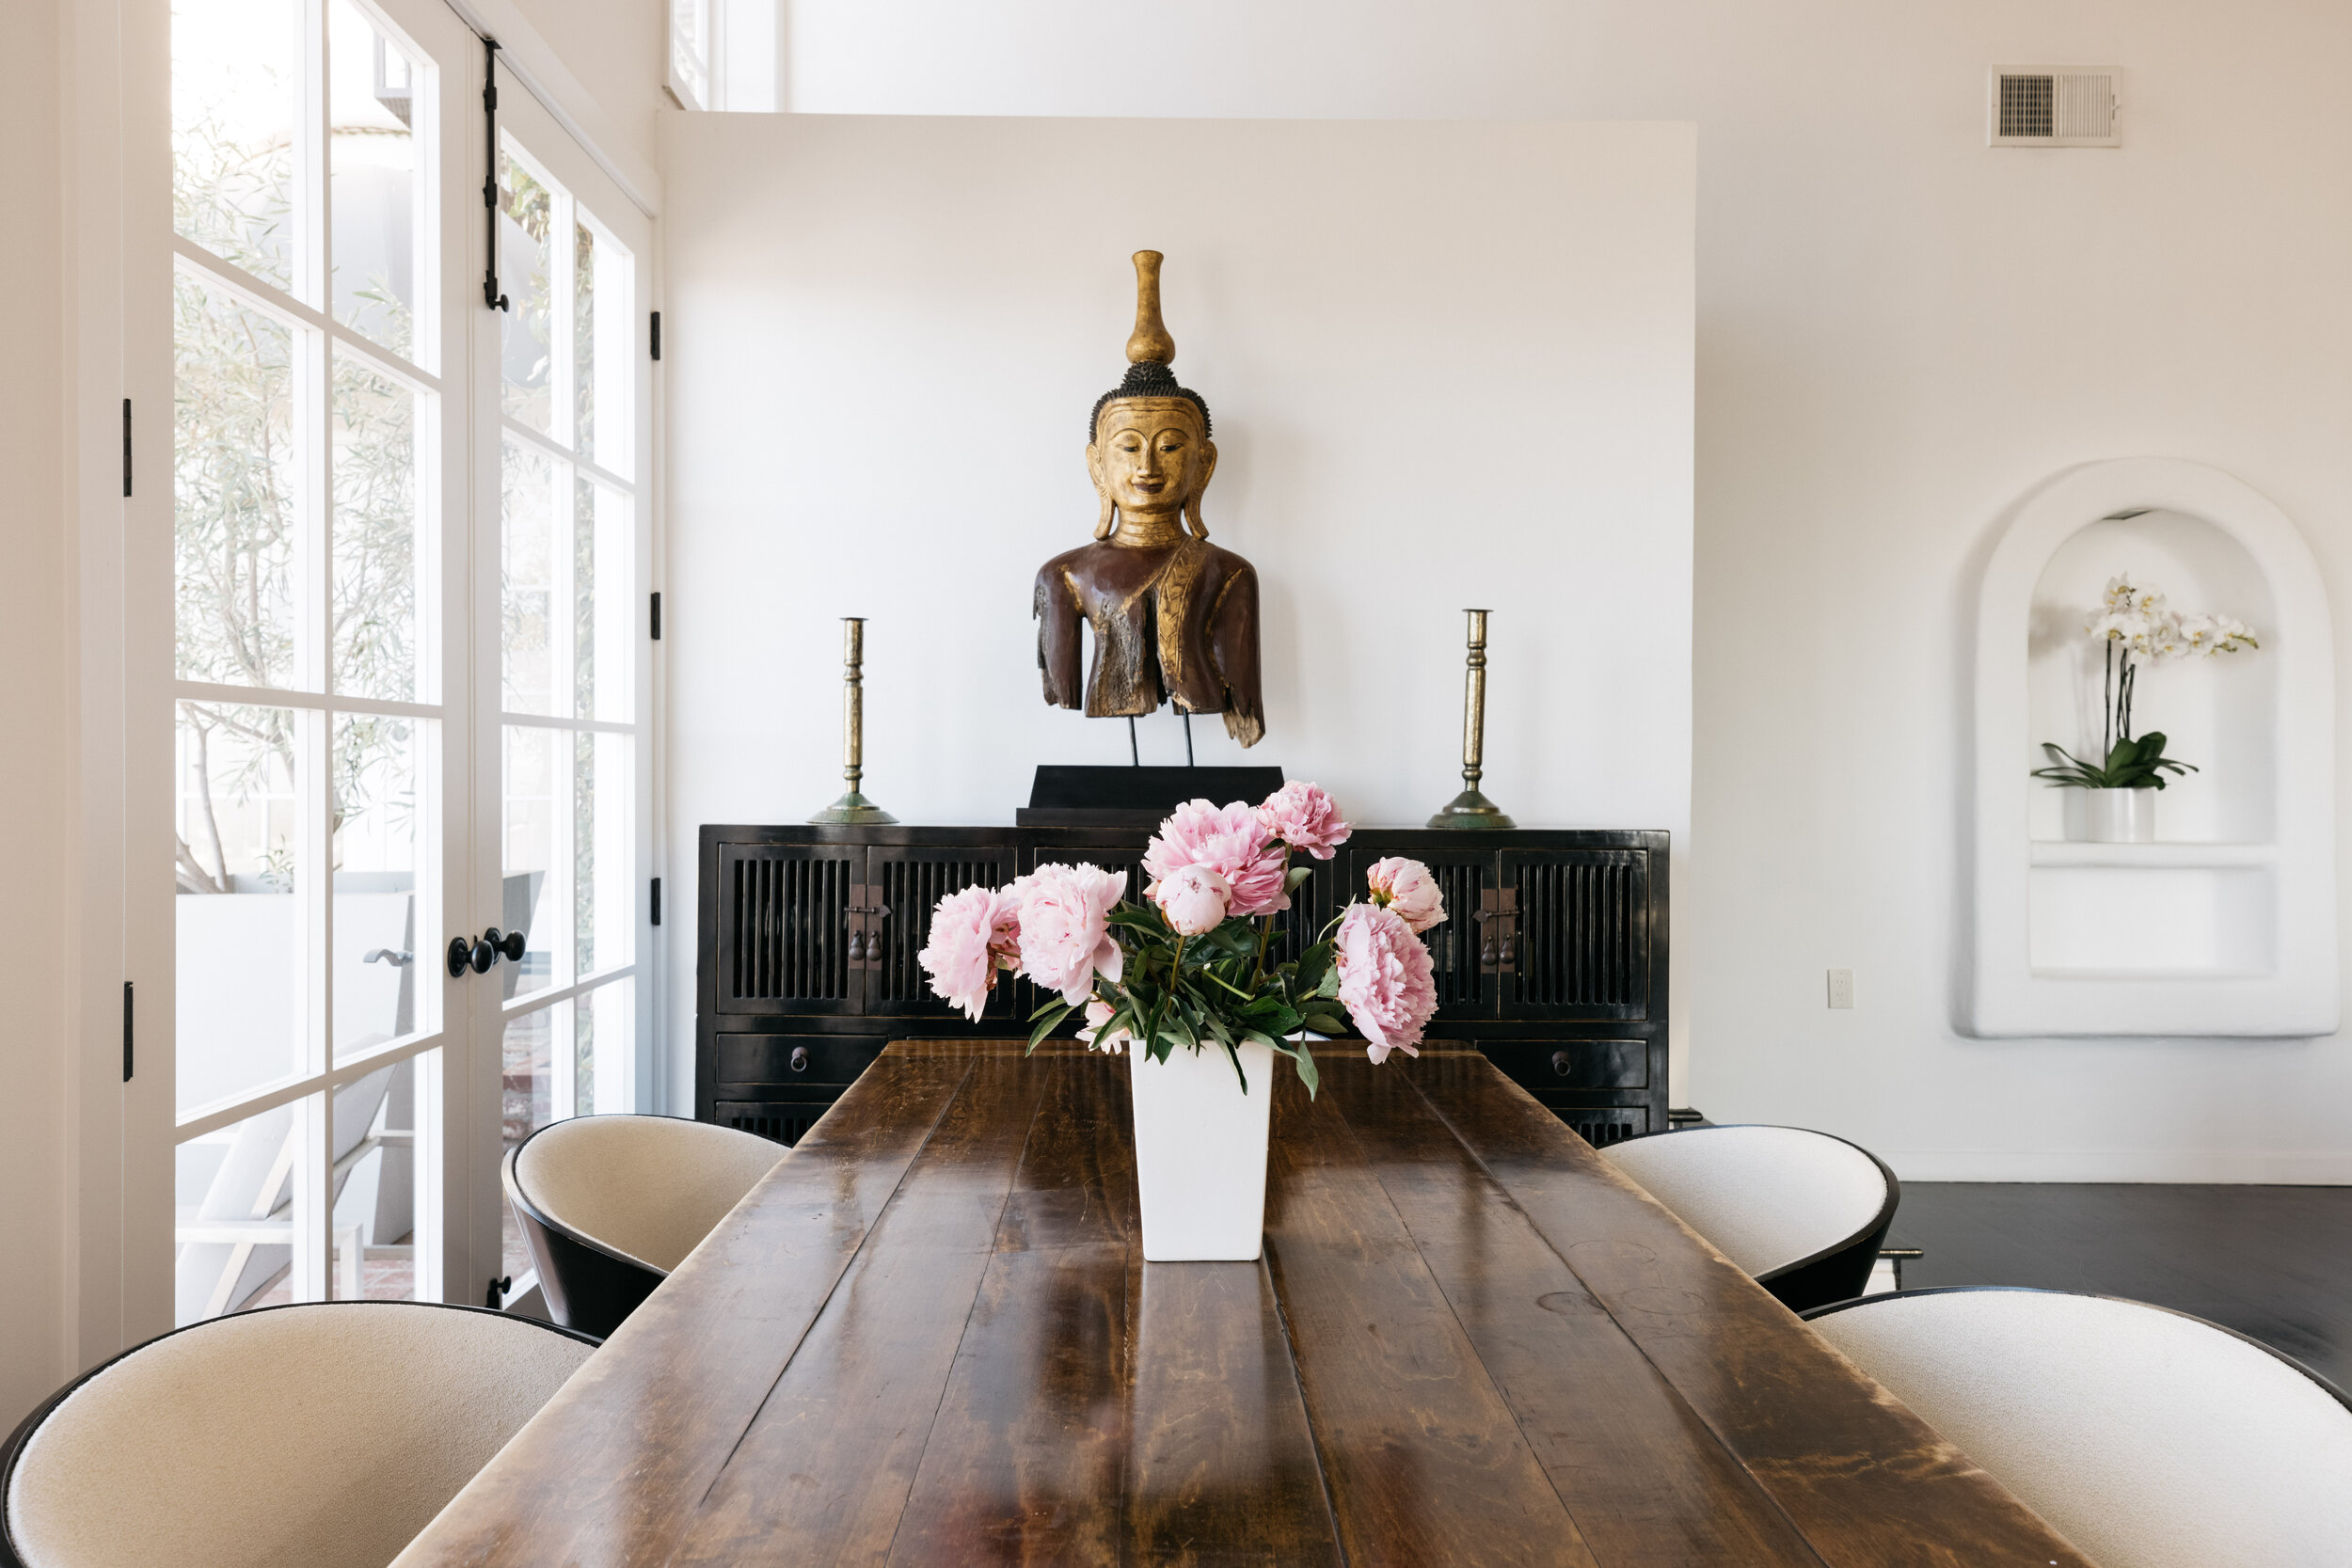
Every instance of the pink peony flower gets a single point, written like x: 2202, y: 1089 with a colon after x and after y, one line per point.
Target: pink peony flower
x: 1302, y: 815
x: 1230, y: 841
x: 975, y: 932
x: 1065, y: 927
x: 1407, y: 887
x: 1386, y: 983
x: 1194, y: 899
x: 1098, y: 1014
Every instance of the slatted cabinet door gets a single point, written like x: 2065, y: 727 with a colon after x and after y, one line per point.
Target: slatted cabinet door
x: 1466, y: 877
x: 1574, y: 937
x: 784, y: 924
x: 908, y: 880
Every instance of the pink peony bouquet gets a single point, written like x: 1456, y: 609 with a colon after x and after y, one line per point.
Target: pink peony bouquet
x: 1186, y: 964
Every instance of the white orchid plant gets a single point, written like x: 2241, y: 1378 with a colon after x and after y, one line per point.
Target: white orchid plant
x: 2136, y: 622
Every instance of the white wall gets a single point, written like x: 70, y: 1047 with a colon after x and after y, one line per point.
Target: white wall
x: 1448, y: 365
x: 1900, y: 331
x: 37, y: 733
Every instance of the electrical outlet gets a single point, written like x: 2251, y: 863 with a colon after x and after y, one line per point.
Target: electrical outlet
x: 1841, y: 988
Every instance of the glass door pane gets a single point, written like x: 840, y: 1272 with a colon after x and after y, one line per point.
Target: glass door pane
x: 563, y: 400
x: 314, y: 665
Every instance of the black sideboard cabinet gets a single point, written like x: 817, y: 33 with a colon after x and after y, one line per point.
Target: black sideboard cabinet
x: 1552, y: 961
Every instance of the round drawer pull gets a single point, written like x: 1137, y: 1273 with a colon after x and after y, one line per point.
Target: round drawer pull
x: 1560, y: 1062
x: 799, y: 1058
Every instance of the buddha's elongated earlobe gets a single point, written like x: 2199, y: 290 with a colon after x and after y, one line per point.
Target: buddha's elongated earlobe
x: 1106, y: 519
x: 1192, y: 502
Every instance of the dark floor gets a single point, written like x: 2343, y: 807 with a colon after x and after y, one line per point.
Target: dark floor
x: 2272, y: 1263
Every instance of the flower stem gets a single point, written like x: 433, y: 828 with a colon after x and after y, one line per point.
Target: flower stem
x: 1265, y: 940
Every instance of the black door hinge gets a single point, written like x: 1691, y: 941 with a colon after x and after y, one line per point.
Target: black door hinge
x: 126, y: 451
x: 127, y: 1036
x: 657, y: 617
x: 496, y: 1297
x: 656, y: 900
x: 492, y: 296
x: 657, y: 334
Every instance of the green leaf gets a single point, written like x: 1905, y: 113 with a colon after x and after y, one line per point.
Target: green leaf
x: 1304, y: 1060
x: 1048, y: 1006
x: 1235, y: 1056
x: 1285, y: 1021
x: 1313, y: 964
x: 1323, y: 1023
x: 1061, y: 1011
x: 1298, y: 874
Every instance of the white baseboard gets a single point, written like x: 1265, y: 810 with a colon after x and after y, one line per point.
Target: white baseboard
x: 2284, y: 1168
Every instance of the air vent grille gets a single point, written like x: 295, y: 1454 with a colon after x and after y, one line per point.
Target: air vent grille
x: 785, y: 1124
x: 2055, y: 106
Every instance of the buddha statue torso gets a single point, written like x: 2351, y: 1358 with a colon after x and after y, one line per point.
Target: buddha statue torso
x: 1174, y: 617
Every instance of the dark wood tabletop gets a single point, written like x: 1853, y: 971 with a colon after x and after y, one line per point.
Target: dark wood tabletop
x: 929, y: 1337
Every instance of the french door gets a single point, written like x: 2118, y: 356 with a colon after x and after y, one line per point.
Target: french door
x: 405, y: 673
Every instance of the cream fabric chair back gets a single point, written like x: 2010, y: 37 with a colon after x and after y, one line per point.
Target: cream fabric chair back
x: 325, y: 1435
x: 649, y: 1188
x: 2148, y: 1438
x: 1763, y: 1196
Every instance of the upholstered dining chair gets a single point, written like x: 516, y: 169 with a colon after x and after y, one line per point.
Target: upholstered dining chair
x: 327, y: 1434
x: 1802, y: 1213
x: 610, y: 1205
x: 2148, y: 1438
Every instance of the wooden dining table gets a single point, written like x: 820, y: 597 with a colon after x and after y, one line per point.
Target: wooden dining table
x: 929, y: 1337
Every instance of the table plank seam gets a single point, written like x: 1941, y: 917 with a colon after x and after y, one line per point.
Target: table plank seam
x: 840, y: 1272
x: 979, y: 1283
x: 1773, y: 1474
x: 1314, y: 1436
x: 1764, y: 1491
x: 1483, y: 1374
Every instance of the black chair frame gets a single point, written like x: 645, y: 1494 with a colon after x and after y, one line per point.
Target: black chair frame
x: 590, y: 1288
x: 13, y: 1450
x: 1839, y: 1271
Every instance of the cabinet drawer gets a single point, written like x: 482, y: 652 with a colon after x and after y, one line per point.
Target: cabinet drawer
x: 778, y: 1058
x: 1539, y: 1065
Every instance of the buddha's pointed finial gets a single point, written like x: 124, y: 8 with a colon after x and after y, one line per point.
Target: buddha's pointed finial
x: 1150, y: 341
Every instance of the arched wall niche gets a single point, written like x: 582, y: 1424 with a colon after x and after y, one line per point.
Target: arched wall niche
x: 2226, y: 926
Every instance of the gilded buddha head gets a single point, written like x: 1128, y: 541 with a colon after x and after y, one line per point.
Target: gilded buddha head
x: 1148, y: 447
x: 1173, y: 618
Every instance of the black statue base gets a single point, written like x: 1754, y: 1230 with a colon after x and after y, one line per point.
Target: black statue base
x: 1074, y: 797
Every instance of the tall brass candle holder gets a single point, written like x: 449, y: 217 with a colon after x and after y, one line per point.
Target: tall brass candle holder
x: 853, y: 809
x: 1471, y: 809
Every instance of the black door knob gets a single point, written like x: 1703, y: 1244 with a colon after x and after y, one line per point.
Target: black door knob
x: 460, y: 956
x: 511, y: 944
x: 484, y: 954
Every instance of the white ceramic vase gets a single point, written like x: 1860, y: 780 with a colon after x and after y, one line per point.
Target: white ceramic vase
x: 1201, y: 1152
x: 2119, y: 815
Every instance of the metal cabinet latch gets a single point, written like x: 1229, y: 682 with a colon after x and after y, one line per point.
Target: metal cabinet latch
x: 1498, y: 918
x: 864, y: 915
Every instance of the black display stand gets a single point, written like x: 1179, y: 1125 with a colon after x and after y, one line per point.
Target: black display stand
x: 1064, y: 796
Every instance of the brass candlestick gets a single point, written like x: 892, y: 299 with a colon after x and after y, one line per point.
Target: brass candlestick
x: 1471, y: 809
x: 853, y: 808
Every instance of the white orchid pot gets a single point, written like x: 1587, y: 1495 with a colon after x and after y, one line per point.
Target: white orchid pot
x: 1201, y: 1153
x: 2119, y: 815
